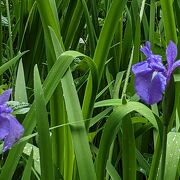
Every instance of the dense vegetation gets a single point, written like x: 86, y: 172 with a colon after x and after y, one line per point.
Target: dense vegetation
x: 69, y: 65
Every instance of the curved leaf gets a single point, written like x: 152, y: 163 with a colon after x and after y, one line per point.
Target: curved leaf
x: 113, y: 126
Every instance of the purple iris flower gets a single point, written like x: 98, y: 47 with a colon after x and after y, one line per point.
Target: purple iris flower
x: 10, y: 129
x: 151, y: 76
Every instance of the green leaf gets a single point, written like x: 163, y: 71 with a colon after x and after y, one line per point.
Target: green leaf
x: 169, y: 20
x: 108, y: 102
x: 19, y: 107
x: 101, y: 52
x: 142, y: 162
x: 113, y: 126
x: 49, y: 86
x: 112, y: 171
x: 79, y: 134
x: 27, y: 151
x: 41, y: 116
x: 27, y: 171
x: 128, y: 149
x: 20, y: 88
x: 11, y: 62
x: 172, y: 155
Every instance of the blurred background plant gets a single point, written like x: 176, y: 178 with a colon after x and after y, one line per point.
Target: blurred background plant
x: 69, y: 63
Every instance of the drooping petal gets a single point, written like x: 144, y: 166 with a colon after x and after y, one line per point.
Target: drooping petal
x: 140, y: 67
x: 171, y: 54
x: 4, y: 128
x: 15, y: 131
x: 4, y: 97
x: 146, y: 49
x: 150, y: 86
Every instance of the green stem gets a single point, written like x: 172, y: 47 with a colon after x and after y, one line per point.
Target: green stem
x: 163, y: 159
x: 127, y: 74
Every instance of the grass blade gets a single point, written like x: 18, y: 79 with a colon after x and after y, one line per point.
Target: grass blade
x: 42, y: 129
x: 79, y: 134
x: 169, y: 21
x: 101, y: 52
x: 115, y: 122
x: 27, y: 170
x: 20, y: 88
x: 11, y: 62
x: 172, y: 155
x: 50, y: 84
x: 128, y: 148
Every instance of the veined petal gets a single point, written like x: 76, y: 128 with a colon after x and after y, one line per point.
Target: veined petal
x: 140, y: 67
x: 4, y: 128
x: 4, y: 97
x: 16, y: 130
x: 150, y: 86
x: 171, y: 54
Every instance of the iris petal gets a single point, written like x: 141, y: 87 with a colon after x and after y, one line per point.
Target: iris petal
x: 171, y: 54
x: 151, y: 76
x: 175, y: 65
x: 154, y: 59
x: 10, y: 129
x: 150, y: 87
x: 4, y: 97
x: 157, y: 66
x: 147, y: 49
x: 150, y: 57
x: 15, y: 130
x: 4, y: 128
x: 140, y: 67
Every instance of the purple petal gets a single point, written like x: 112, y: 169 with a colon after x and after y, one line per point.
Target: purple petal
x: 154, y: 59
x: 147, y: 49
x: 150, y: 86
x: 4, y: 97
x: 171, y: 54
x: 140, y: 67
x: 4, y: 128
x: 16, y: 130
x: 157, y: 66
x: 5, y: 109
x: 175, y: 65
x: 149, y: 55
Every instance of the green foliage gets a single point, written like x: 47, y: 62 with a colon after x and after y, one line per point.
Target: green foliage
x: 69, y: 64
